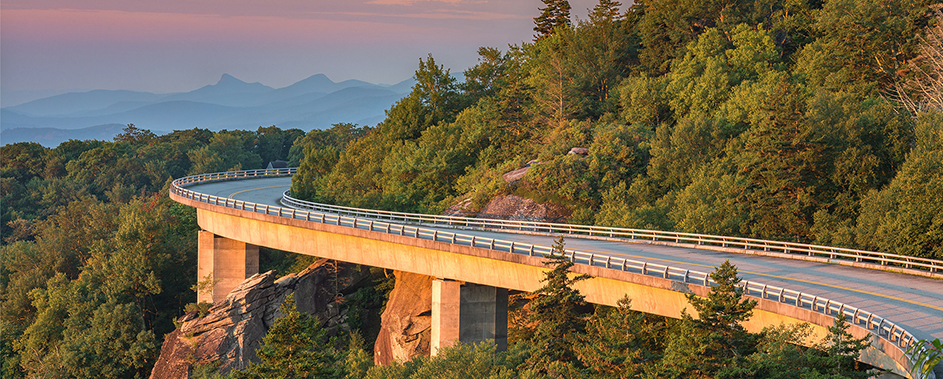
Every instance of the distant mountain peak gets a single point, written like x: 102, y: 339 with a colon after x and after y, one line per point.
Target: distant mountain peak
x: 317, y: 79
x: 226, y: 78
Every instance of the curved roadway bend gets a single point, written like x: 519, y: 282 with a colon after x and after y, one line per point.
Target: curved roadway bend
x: 915, y: 303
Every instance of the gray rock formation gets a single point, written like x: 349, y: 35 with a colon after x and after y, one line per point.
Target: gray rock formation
x: 232, y: 330
x: 406, y: 326
x: 512, y: 177
x: 578, y: 151
x: 513, y: 207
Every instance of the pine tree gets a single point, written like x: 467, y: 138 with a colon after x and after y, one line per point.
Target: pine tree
x: 295, y: 347
x: 555, y: 13
x: 559, y: 311
x: 838, y: 357
x: 716, y: 344
x: 607, y: 10
x: 724, y: 307
x: 620, y: 342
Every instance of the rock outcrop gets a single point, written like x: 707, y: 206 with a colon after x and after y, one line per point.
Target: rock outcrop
x: 406, y: 326
x: 578, y: 151
x: 512, y: 177
x: 230, y: 333
x: 513, y: 207
x: 405, y: 331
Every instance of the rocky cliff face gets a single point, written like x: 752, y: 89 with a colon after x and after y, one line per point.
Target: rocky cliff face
x: 406, y: 326
x: 233, y: 329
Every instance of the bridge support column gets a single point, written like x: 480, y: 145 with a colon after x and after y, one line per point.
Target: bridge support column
x: 226, y: 262
x: 468, y: 313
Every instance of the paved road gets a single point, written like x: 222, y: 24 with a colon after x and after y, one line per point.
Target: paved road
x: 915, y: 303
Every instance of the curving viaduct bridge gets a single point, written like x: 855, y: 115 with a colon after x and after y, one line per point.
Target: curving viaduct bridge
x: 895, y: 299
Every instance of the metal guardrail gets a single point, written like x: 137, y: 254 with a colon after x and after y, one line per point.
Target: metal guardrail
x: 702, y: 240
x: 366, y: 219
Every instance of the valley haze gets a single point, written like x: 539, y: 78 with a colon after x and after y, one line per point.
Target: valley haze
x: 316, y: 102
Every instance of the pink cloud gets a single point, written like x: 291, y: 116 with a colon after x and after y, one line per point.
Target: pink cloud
x: 105, y: 25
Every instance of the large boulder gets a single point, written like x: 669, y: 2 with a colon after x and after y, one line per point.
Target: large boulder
x: 513, y: 207
x: 406, y: 324
x: 229, y: 334
x: 578, y: 151
x: 512, y: 177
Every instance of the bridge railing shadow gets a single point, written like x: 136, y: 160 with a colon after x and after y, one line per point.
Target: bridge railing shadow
x: 398, y: 223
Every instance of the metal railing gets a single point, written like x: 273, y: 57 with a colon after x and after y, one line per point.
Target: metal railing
x: 366, y: 219
x: 705, y: 241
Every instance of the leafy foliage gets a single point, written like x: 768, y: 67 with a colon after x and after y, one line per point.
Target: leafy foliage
x: 97, y: 261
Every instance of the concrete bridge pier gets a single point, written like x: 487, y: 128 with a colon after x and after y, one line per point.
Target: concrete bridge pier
x: 227, y: 262
x: 468, y: 313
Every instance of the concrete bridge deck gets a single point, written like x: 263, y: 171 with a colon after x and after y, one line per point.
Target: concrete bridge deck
x: 914, y: 303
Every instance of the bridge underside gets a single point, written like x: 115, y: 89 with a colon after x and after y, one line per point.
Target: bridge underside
x: 497, y: 270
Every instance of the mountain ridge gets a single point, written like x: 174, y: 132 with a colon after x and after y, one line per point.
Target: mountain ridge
x: 315, y: 102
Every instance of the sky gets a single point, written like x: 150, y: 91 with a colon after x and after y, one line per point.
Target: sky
x: 168, y: 46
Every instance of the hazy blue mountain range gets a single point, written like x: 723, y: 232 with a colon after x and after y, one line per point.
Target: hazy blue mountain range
x: 313, y: 103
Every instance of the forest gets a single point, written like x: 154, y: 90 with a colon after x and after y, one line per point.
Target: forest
x: 815, y: 121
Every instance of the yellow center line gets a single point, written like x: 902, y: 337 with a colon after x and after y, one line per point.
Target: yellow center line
x: 787, y: 278
x: 254, y: 189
